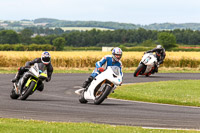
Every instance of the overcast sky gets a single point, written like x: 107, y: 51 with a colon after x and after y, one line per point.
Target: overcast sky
x: 126, y: 11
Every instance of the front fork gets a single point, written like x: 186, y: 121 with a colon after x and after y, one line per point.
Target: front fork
x: 103, y: 84
x: 28, y: 84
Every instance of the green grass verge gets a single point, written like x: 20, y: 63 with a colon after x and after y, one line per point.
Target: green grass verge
x: 180, y: 92
x: 31, y: 126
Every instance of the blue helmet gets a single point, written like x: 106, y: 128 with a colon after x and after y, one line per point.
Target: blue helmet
x: 117, y: 51
x: 46, y: 58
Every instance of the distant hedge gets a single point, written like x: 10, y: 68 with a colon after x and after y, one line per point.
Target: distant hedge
x: 186, y: 49
x: 31, y: 47
x: 82, y: 48
x: 48, y: 47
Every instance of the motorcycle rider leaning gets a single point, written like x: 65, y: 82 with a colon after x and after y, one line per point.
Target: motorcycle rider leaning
x: 160, y: 55
x: 108, y: 60
x: 46, y: 60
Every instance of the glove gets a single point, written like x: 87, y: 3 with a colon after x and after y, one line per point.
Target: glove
x: 101, y: 69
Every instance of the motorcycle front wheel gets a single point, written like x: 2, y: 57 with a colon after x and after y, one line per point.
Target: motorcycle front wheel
x: 138, y: 70
x: 100, y: 96
x: 27, y: 91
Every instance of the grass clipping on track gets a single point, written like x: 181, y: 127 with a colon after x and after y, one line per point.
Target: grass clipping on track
x: 31, y: 126
x: 179, y: 92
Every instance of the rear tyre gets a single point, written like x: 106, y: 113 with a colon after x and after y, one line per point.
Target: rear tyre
x: 81, y: 98
x: 138, y: 70
x: 27, y: 91
x: 100, y: 98
x: 13, y: 95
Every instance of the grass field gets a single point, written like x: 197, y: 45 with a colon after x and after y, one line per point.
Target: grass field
x: 31, y: 126
x: 82, y: 28
x: 180, y: 92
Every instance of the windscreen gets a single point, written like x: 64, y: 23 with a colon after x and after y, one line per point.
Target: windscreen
x: 41, y: 67
x: 116, y: 69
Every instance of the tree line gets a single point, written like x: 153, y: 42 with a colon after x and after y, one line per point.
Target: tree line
x: 116, y: 25
x: 95, y: 37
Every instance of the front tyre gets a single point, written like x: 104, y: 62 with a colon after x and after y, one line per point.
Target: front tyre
x: 27, y: 91
x: 101, y: 96
x: 138, y: 70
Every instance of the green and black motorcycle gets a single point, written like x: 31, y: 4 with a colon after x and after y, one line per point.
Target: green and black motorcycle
x: 28, y: 82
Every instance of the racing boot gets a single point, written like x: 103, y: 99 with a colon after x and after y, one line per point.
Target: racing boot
x: 41, y: 87
x: 87, y: 82
x: 156, y: 68
x: 17, y: 77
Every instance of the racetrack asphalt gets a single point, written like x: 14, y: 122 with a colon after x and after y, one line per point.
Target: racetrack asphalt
x: 58, y: 102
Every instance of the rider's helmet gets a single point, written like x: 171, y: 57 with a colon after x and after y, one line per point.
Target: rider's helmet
x: 159, y: 47
x: 46, y: 58
x: 117, y: 54
x: 160, y: 51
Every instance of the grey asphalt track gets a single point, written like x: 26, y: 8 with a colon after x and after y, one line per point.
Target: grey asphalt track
x: 58, y: 102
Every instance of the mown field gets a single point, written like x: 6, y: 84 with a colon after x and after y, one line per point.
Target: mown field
x: 180, y: 92
x: 83, y: 28
x: 82, y: 59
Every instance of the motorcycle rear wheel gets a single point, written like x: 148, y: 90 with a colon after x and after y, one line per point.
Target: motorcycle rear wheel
x: 81, y: 98
x: 13, y: 95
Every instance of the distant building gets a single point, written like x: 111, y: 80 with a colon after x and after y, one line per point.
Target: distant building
x: 107, y: 49
x: 3, y: 24
x: 34, y: 35
x: 40, y: 24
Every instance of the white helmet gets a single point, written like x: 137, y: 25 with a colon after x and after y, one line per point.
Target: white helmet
x: 46, y: 58
x: 159, y: 47
x: 117, y: 51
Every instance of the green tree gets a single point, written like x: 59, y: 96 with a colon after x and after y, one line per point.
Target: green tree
x: 26, y: 36
x: 167, y: 40
x: 9, y: 37
x: 39, y: 40
x: 59, y: 43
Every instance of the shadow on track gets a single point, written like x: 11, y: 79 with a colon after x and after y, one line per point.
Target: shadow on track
x: 106, y: 104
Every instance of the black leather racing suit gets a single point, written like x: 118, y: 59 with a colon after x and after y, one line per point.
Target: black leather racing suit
x: 21, y: 71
